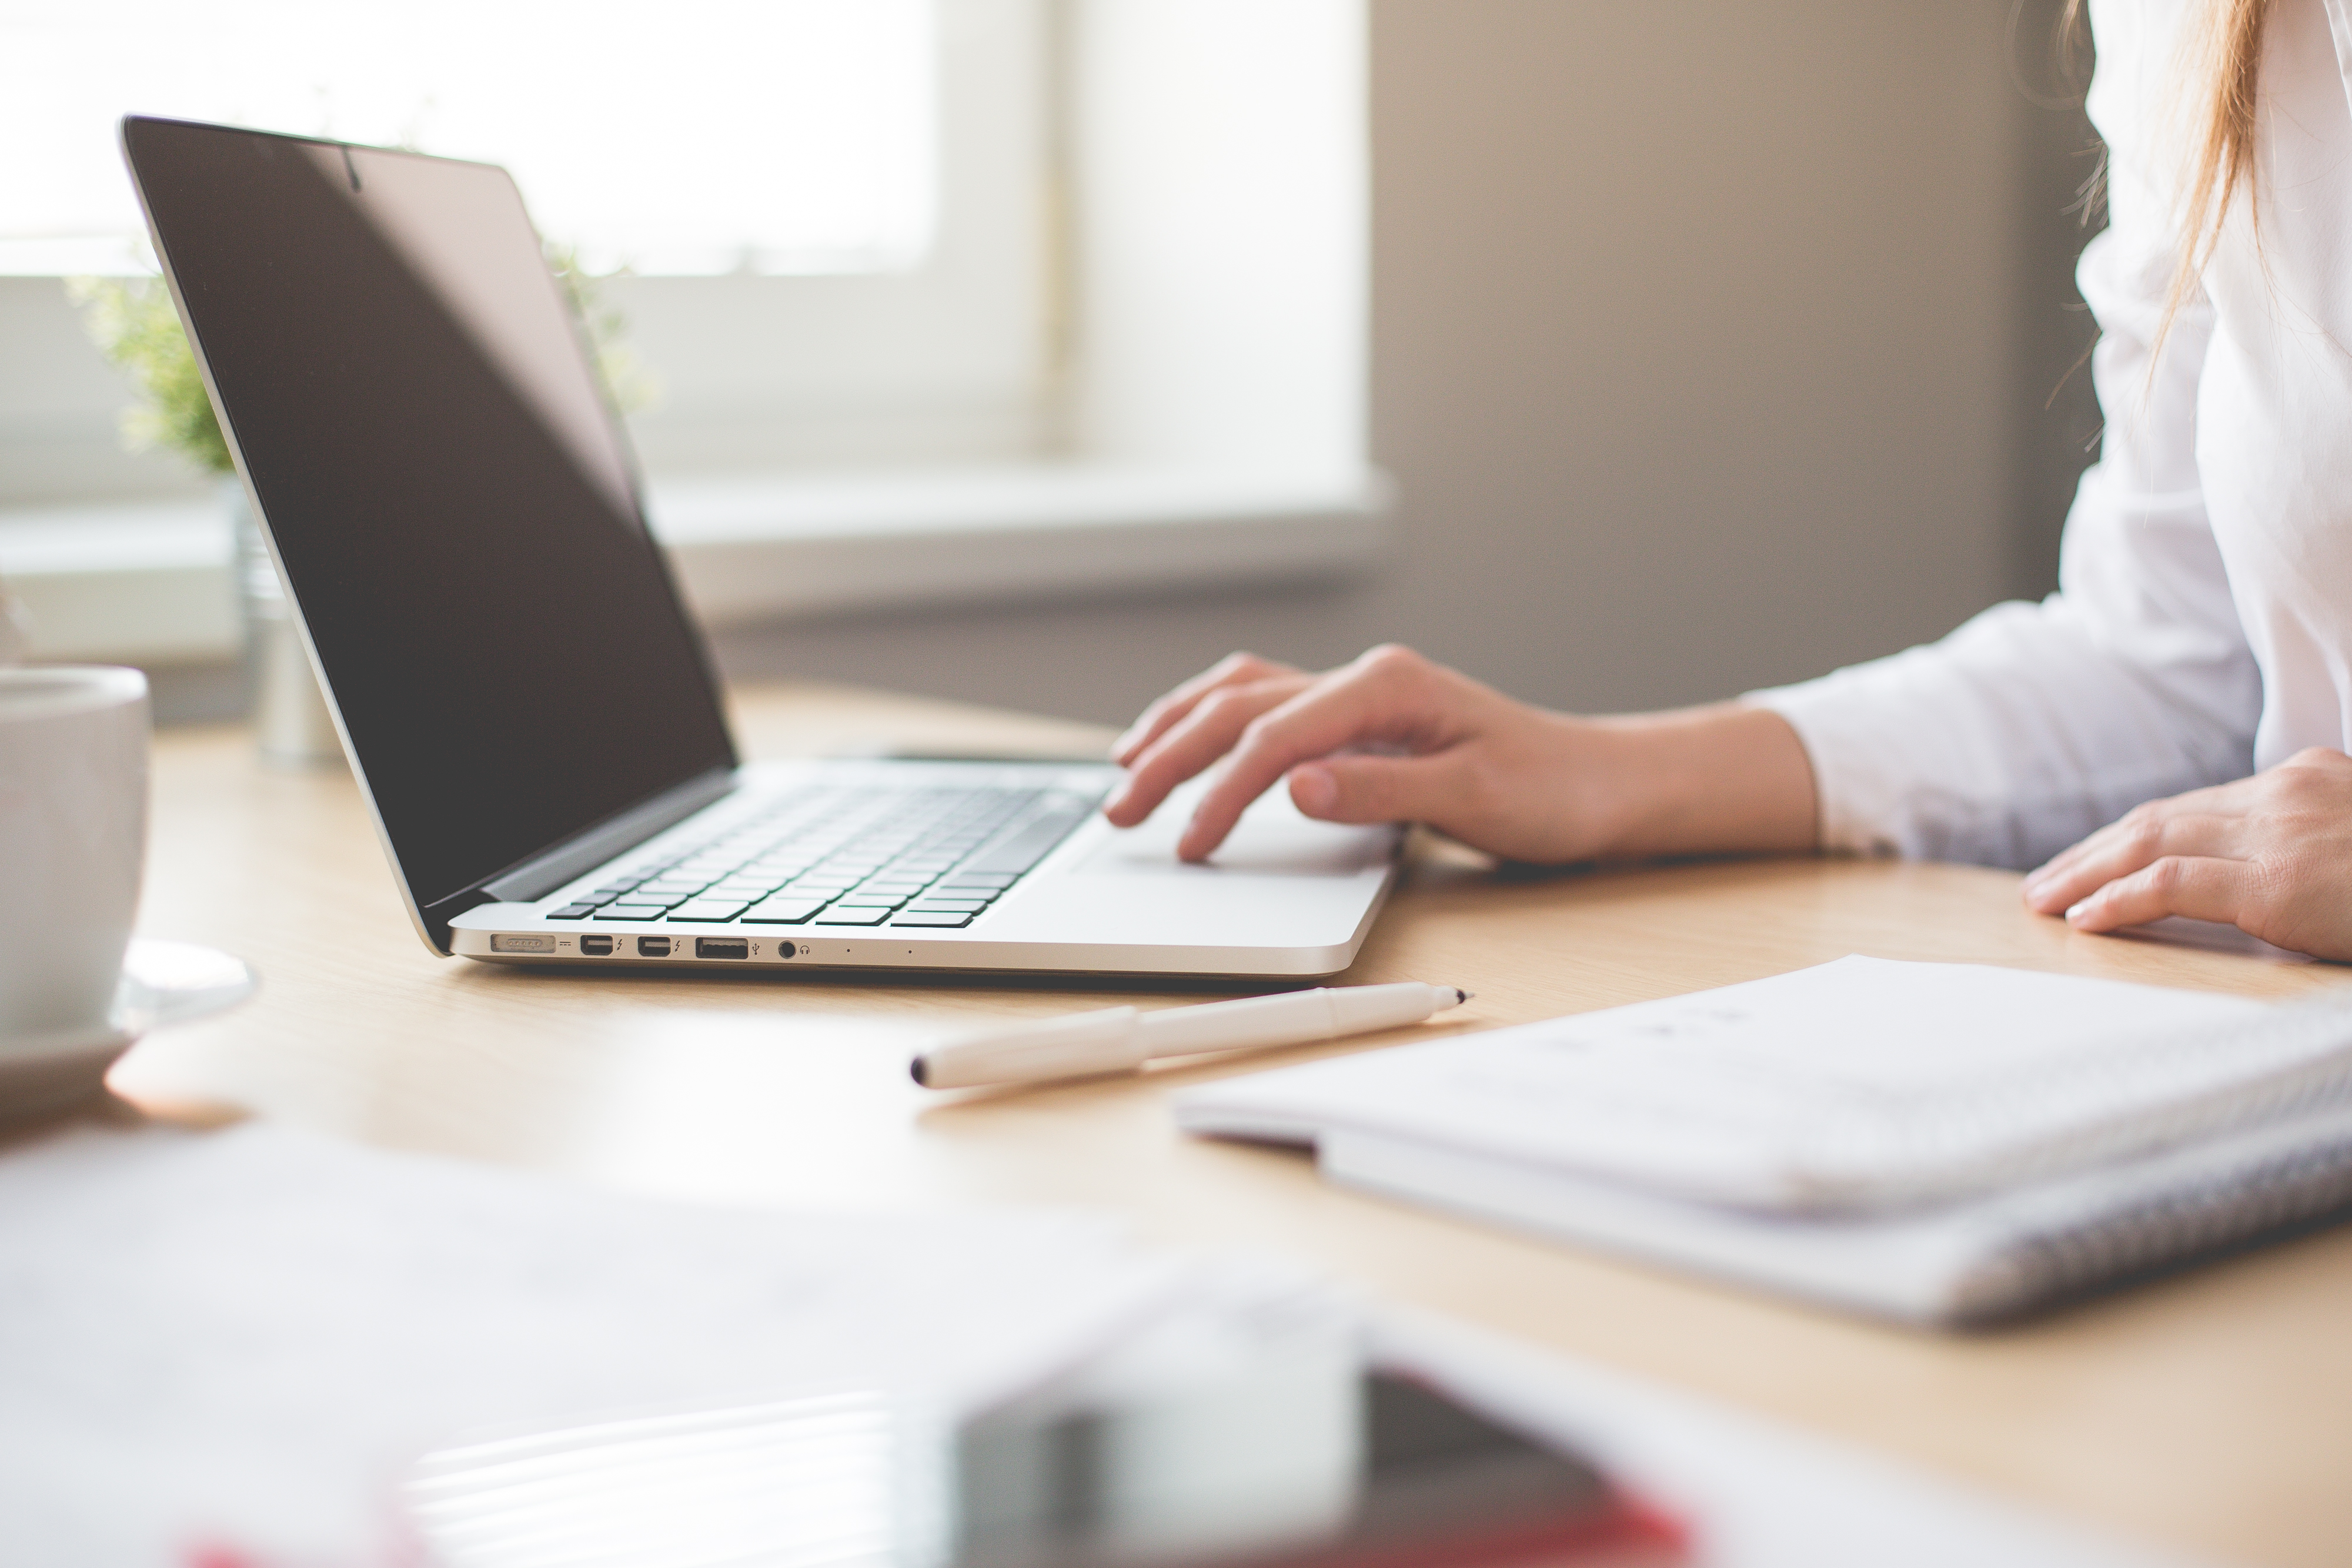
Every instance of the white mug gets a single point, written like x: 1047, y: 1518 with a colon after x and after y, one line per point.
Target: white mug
x: 73, y: 842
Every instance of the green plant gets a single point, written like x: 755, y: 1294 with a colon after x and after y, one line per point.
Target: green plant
x: 627, y: 383
x: 136, y: 327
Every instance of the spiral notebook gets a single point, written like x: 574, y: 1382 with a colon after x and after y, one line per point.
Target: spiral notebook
x: 1937, y: 1142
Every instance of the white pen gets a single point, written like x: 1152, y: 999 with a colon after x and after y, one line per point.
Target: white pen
x: 1120, y: 1039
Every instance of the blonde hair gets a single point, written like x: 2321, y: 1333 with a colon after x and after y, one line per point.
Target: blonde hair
x: 2220, y: 73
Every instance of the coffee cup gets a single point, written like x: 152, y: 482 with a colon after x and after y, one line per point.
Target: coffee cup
x: 73, y: 842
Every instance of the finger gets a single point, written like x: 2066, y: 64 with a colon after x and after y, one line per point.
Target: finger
x: 1378, y: 789
x: 1232, y: 670
x: 2199, y: 887
x: 2118, y: 851
x: 2057, y: 883
x: 1375, y: 698
x: 1198, y: 739
x: 2092, y: 843
x: 2229, y: 800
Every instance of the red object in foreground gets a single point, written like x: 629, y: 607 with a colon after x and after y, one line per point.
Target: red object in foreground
x: 1447, y: 1488
x: 1625, y: 1533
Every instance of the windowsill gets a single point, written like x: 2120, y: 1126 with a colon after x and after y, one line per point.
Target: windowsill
x: 149, y: 582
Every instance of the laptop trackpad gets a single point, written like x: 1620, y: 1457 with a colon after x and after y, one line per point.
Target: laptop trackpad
x: 1270, y: 840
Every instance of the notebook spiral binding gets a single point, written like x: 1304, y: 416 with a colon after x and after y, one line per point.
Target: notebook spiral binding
x: 2207, y: 1212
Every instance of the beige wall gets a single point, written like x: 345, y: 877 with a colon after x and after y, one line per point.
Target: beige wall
x: 1710, y: 347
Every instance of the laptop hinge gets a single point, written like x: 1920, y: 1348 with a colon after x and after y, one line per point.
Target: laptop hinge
x: 534, y: 878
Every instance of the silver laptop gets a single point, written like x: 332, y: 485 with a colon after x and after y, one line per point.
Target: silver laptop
x: 531, y: 715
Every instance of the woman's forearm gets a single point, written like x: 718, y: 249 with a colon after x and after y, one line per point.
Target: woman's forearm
x: 1725, y: 779
x: 1392, y: 737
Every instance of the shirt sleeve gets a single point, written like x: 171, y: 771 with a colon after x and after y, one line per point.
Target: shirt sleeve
x: 2034, y: 724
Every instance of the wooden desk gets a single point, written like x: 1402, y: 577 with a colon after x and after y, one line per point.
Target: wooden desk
x: 2211, y: 1412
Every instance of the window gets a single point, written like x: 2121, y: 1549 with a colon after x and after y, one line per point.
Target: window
x: 703, y: 136
x: 1060, y: 296
x: 830, y: 210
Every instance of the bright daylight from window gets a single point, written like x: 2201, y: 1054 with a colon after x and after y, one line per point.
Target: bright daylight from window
x: 703, y: 136
x: 937, y: 302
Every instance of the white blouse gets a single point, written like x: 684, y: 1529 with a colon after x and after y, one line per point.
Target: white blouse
x: 2202, y: 628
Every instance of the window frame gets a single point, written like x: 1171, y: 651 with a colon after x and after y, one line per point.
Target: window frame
x: 1187, y: 406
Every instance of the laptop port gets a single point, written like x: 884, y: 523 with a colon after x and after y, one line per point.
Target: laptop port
x: 722, y: 947
x: 653, y: 947
x: 503, y: 944
x: 595, y: 947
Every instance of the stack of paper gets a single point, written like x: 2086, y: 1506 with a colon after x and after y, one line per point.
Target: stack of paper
x: 235, y: 1347
x: 1943, y: 1142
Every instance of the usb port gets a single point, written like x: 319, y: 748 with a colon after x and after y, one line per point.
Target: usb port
x: 653, y: 947
x: 595, y: 947
x: 722, y: 947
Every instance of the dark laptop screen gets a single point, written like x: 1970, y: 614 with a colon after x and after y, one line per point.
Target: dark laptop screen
x: 450, y: 499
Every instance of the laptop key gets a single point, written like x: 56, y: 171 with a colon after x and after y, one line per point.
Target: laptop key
x: 1027, y: 844
x: 781, y: 911
x: 847, y: 860
x: 709, y: 909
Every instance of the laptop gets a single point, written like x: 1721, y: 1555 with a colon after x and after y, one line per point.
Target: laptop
x: 530, y: 711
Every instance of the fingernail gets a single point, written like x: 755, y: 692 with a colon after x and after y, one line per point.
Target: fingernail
x: 2078, y: 911
x: 1189, y: 845
x: 1313, y: 790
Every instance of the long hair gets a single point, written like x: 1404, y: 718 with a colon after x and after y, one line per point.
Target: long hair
x: 2220, y: 74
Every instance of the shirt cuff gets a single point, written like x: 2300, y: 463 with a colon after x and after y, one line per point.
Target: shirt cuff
x: 1858, y: 797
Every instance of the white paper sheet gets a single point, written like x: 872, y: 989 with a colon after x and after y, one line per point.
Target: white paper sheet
x: 1853, y: 1083
x: 239, y: 1343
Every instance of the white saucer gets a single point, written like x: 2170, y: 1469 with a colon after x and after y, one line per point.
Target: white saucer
x: 163, y: 983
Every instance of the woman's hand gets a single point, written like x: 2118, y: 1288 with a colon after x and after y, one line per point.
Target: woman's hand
x: 2271, y: 854
x: 1393, y: 738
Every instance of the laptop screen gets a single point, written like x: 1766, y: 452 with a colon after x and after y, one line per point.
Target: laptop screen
x: 450, y: 499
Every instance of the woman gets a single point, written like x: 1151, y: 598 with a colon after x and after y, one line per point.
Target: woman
x: 2189, y: 685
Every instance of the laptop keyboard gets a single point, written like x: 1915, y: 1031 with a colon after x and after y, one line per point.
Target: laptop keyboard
x: 932, y: 857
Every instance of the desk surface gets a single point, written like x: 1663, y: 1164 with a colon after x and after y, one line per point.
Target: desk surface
x: 2211, y: 1412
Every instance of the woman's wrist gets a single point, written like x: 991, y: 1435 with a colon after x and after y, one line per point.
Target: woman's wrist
x: 1724, y: 779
